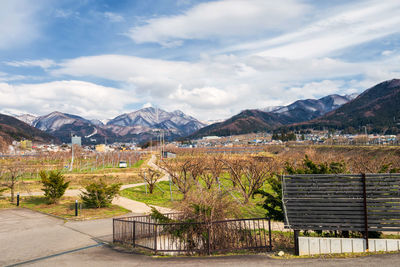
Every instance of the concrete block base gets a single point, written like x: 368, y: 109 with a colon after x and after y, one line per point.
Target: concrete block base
x: 321, y: 245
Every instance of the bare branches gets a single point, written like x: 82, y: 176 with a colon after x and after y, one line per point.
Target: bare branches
x: 151, y: 177
x: 11, y: 176
x: 248, y: 175
x: 180, y: 173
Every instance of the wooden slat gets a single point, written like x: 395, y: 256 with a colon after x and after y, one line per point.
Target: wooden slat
x: 327, y: 205
x: 328, y: 202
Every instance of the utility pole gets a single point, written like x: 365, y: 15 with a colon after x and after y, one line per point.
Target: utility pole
x: 72, y: 155
x: 366, y: 134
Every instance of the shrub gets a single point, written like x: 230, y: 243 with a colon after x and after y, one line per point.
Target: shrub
x: 54, y: 185
x: 99, y: 194
x: 194, y: 226
x: 273, y: 200
x: 310, y: 167
x: 208, y: 205
x: 388, y: 168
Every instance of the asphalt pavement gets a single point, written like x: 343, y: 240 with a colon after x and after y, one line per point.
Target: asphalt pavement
x: 28, y: 238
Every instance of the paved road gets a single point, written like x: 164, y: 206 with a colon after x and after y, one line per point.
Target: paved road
x: 103, y: 256
x: 25, y: 235
x: 35, y: 239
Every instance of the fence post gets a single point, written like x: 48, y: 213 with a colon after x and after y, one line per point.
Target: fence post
x: 208, y: 239
x: 76, y: 207
x: 134, y: 234
x: 155, y: 238
x: 113, y: 230
x: 270, y: 234
x: 365, y: 211
x: 296, y: 242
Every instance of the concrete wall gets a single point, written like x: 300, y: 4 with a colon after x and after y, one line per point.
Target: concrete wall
x: 319, y: 245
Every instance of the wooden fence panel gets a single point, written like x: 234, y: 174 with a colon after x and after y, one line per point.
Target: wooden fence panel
x: 336, y: 202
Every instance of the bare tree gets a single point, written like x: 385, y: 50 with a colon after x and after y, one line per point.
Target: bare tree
x: 180, y: 173
x: 2, y: 188
x: 151, y: 177
x: 10, y: 177
x: 3, y: 145
x: 248, y: 175
x: 212, y: 169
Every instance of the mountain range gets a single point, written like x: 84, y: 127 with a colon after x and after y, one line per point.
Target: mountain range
x: 308, y: 109
x: 377, y: 109
x: 137, y: 126
x: 271, y: 118
x: 14, y: 129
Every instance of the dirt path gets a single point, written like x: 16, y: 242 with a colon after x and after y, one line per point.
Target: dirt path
x: 140, y: 207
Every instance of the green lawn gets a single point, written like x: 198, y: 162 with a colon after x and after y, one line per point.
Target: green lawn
x: 66, y: 209
x: 160, y: 197
x: 138, y: 163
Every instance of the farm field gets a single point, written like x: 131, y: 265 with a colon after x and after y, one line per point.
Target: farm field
x: 237, y: 177
x: 194, y: 167
x: 87, y: 166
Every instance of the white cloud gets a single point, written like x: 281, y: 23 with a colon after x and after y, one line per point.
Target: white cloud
x: 18, y: 24
x: 218, y: 87
x: 213, y: 87
x: 147, y: 105
x: 77, y: 97
x: 219, y: 19
x: 113, y: 17
x: 210, y: 97
x: 64, y: 13
x: 387, y: 52
x: 43, y: 63
x: 316, y: 89
x: 299, y: 63
x: 340, y: 28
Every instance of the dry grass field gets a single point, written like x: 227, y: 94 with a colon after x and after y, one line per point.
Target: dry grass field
x: 87, y: 167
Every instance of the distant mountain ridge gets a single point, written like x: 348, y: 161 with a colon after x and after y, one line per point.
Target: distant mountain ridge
x: 136, y: 126
x: 14, y: 129
x: 249, y: 121
x: 177, y: 121
x: 308, y: 109
x: 377, y: 108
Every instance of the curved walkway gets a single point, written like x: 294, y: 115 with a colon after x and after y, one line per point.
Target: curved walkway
x: 136, y: 206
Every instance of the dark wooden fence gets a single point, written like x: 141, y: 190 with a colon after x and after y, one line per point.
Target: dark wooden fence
x: 342, y: 202
x: 346, y: 202
x: 193, y: 237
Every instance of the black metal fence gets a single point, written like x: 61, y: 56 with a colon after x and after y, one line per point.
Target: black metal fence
x: 193, y: 237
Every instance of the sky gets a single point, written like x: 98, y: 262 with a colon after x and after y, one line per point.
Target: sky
x: 210, y: 59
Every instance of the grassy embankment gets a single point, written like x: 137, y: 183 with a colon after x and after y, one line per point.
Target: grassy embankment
x: 65, y: 208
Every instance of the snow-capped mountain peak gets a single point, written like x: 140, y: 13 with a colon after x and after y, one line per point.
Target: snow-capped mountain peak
x: 27, y: 118
x: 308, y: 109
